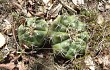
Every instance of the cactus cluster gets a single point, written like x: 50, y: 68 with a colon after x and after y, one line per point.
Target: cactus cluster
x: 67, y: 35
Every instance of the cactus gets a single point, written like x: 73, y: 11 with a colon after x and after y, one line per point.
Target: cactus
x: 33, y: 33
x: 66, y: 33
x: 69, y: 36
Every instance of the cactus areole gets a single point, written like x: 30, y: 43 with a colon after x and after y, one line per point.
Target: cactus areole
x: 66, y: 34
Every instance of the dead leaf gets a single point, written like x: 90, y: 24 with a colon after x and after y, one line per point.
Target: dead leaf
x: 16, y: 5
x: 54, y: 11
x: 21, y: 2
x: 7, y: 25
x: 11, y: 66
x: 29, y: 14
x: 46, y: 1
x: 70, y: 9
x: 107, y: 6
x: 78, y: 2
x: 40, y: 55
x: 101, y: 7
x: 108, y: 1
x: 100, y: 19
x: 89, y: 62
x: 30, y: 2
x: 2, y: 40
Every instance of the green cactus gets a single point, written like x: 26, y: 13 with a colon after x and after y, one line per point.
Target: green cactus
x: 33, y: 33
x: 67, y: 34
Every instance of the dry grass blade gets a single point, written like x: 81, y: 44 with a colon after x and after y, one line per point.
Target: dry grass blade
x: 67, y: 7
x: 54, y: 11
